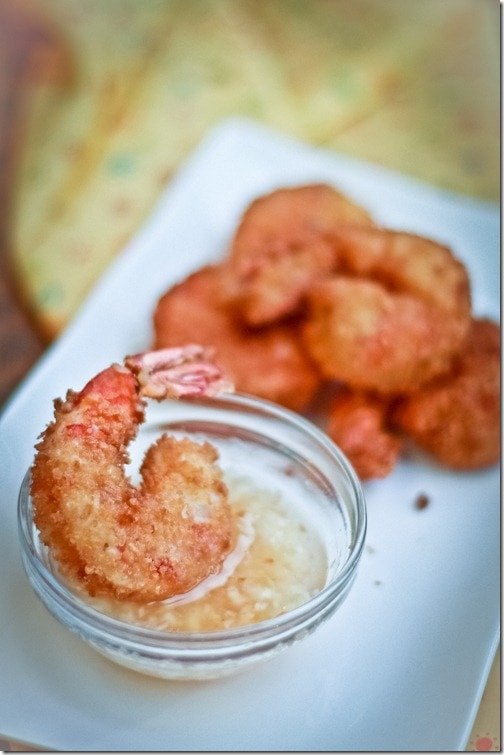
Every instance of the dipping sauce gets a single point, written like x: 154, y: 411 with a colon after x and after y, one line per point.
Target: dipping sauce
x: 279, y: 562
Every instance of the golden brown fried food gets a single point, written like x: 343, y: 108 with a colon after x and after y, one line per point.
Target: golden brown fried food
x: 456, y: 418
x: 283, y: 243
x: 358, y: 423
x: 395, y: 314
x: 145, y: 542
x: 268, y: 363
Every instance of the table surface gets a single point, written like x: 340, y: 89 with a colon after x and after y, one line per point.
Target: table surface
x: 93, y: 124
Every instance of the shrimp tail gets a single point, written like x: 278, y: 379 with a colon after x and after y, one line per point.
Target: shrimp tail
x: 178, y: 372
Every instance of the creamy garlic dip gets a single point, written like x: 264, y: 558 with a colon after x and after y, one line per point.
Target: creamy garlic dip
x: 279, y: 562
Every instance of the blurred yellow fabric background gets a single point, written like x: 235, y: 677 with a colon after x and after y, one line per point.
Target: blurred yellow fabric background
x: 413, y: 86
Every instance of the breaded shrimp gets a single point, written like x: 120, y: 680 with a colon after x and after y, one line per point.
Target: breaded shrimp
x: 145, y: 542
x: 358, y: 423
x: 393, y: 317
x: 456, y: 418
x: 283, y: 243
x: 266, y: 362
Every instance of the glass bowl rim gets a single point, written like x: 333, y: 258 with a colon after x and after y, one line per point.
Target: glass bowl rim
x: 187, y: 642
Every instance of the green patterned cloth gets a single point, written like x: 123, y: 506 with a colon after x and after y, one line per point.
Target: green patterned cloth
x: 413, y: 86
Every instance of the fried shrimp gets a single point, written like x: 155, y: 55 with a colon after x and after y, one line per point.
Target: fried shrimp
x: 393, y: 316
x: 358, y: 423
x: 456, y: 418
x: 145, y: 542
x: 267, y: 362
x: 283, y: 243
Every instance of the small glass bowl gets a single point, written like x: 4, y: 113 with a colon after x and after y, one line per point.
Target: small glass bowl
x: 271, y: 445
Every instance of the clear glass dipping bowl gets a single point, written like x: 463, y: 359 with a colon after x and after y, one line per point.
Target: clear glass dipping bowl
x: 271, y: 445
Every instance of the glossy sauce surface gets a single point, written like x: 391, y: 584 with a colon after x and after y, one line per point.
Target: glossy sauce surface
x: 279, y: 562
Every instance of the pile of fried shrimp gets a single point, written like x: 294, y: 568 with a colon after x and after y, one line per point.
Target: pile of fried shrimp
x: 313, y: 298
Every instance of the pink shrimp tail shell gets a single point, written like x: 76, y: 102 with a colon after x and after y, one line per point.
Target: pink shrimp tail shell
x: 178, y: 372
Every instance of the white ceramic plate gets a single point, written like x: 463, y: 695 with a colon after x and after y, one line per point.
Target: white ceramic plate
x: 403, y: 664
